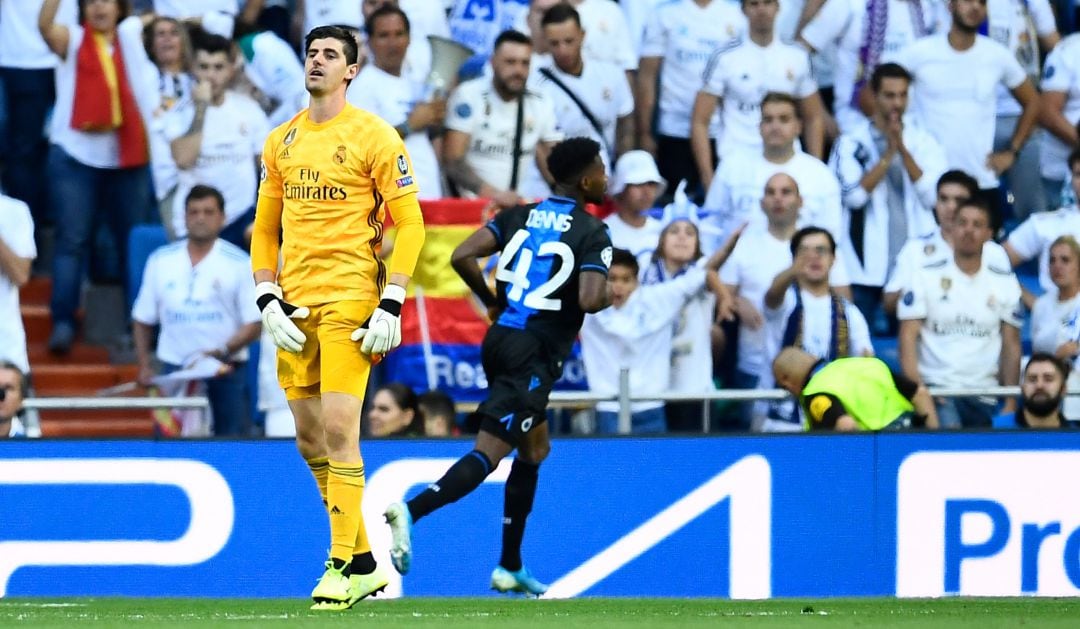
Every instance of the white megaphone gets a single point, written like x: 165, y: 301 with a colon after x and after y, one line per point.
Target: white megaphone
x: 447, y: 57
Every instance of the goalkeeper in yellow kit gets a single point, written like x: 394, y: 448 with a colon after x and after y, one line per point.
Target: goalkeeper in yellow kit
x: 328, y: 177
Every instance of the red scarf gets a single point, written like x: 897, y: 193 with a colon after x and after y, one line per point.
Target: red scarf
x: 96, y: 102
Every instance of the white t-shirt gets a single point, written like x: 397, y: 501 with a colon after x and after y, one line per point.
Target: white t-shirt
x: 21, y: 44
x: 174, y: 89
x: 272, y: 67
x: 331, y: 12
x: 102, y: 150
x: 198, y: 308
x: 742, y: 75
x: 392, y: 98
x: 1049, y: 318
x: 217, y: 16
x: 605, y: 92
x: 735, y: 194
x: 1069, y: 330
x: 636, y: 336
x: 607, y: 35
x: 756, y: 261
x: 477, y: 109
x: 640, y: 241
x: 17, y: 232
x: 691, y: 343
x: 1017, y: 25
x: 960, y: 341
x: 637, y: 14
x: 232, y: 139
x: 844, y: 22
x: 685, y: 35
x: 1061, y: 74
x: 954, y: 97
x: 932, y: 248
x: 1034, y: 236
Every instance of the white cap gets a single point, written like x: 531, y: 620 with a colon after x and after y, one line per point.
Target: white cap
x: 636, y: 167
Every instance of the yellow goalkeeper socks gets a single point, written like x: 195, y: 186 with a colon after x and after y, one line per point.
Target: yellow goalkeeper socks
x: 344, y: 490
x: 320, y: 468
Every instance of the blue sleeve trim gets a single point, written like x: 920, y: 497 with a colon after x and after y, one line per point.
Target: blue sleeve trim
x: 494, y: 230
x: 594, y: 267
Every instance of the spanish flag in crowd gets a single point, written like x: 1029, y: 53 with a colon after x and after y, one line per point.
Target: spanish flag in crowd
x: 442, y: 324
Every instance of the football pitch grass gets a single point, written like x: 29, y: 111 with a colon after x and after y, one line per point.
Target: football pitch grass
x: 594, y: 613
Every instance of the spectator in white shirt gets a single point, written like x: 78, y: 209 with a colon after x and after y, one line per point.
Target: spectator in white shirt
x: 486, y: 116
x: 739, y: 76
x: 169, y: 47
x: 692, y: 343
x: 739, y: 181
x: 1028, y: 29
x: 956, y: 76
x: 761, y: 254
x: 1033, y: 237
x: 216, y: 138
x: 636, y: 330
x: 954, y: 188
x: 635, y: 187
x: 17, y: 252
x: 960, y: 324
x: 592, y: 98
x: 1053, y: 313
x: 199, y: 292
x: 385, y: 90
x: 98, y: 162
x: 803, y: 310
x: 680, y: 37
x: 607, y: 35
x: 888, y: 171
x: 1059, y: 114
x: 865, y: 32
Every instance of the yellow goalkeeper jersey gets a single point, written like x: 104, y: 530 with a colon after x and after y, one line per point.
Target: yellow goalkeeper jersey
x: 333, y: 179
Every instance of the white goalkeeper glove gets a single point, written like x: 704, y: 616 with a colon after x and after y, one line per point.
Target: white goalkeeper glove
x: 382, y: 331
x: 277, y: 315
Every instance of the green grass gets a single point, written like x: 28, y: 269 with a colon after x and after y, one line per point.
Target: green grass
x: 510, y: 614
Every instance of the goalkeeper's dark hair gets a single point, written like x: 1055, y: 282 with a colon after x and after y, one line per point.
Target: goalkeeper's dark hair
x: 570, y: 159
x: 622, y: 257
x: 348, y: 42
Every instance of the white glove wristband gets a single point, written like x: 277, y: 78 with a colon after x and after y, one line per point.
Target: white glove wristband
x: 394, y: 293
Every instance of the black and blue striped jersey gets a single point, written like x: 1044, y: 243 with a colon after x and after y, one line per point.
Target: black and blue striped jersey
x: 543, y: 249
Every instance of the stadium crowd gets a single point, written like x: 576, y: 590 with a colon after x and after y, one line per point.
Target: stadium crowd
x: 865, y: 176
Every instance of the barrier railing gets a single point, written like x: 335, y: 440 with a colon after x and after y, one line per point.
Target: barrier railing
x: 559, y: 399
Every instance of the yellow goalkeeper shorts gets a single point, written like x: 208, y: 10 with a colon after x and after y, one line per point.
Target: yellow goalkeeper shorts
x: 330, y: 361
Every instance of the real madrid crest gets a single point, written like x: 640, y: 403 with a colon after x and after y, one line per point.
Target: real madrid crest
x: 929, y: 249
x: 339, y: 155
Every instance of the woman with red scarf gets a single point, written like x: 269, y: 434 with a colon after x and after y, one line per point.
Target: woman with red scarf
x: 99, y: 154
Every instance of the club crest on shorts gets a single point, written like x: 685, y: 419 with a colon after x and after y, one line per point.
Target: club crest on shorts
x: 402, y: 165
x: 290, y: 136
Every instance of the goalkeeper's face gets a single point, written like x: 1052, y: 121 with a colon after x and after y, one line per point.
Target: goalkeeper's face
x: 326, y: 69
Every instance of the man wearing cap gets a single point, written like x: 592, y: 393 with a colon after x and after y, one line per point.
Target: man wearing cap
x: 636, y: 185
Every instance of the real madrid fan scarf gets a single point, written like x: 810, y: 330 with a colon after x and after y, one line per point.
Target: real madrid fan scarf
x: 104, y: 100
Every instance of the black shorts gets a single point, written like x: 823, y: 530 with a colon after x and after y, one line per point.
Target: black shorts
x: 521, y: 371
